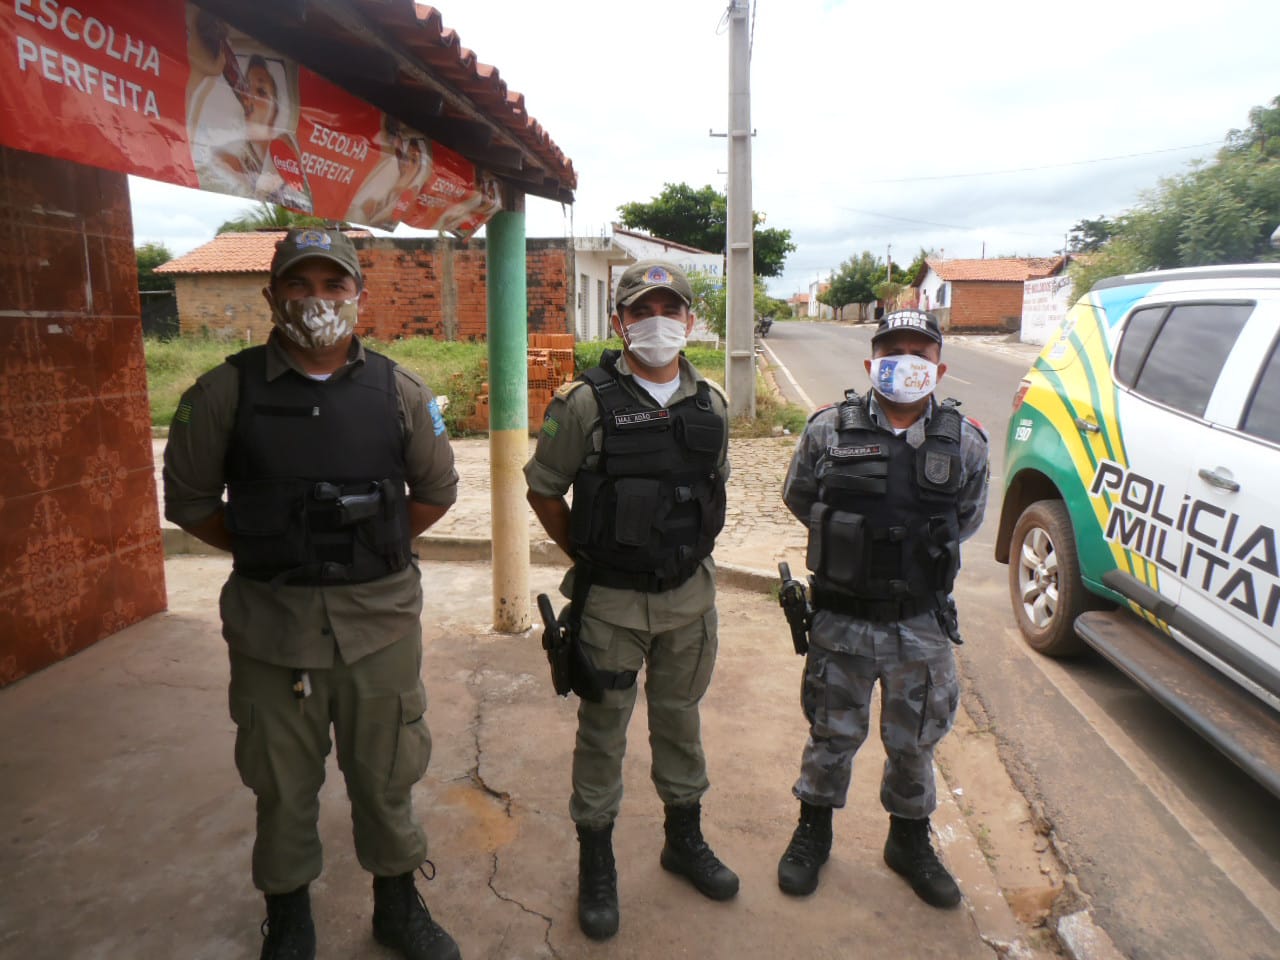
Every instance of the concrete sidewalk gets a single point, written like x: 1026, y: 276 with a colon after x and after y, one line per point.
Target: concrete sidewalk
x: 129, y: 832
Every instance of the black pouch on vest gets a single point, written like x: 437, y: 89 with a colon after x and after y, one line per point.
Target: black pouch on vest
x: 637, y: 507
x: 837, y: 545
x: 279, y: 537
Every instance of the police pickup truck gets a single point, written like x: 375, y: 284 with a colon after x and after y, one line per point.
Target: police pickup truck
x: 1141, y: 511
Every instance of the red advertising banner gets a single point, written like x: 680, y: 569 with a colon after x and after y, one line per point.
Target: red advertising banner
x: 165, y: 90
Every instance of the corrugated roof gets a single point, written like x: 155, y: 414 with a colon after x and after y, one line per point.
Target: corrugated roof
x: 234, y: 253
x: 398, y: 56
x: 1011, y: 269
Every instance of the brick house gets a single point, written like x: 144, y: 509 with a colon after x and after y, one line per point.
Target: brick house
x: 418, y: 286
x: 979, y: 294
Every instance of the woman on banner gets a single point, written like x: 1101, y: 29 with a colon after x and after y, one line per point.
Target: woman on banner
x: 241, y: 119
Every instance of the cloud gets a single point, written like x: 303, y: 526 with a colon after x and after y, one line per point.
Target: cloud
x: 848, y: 95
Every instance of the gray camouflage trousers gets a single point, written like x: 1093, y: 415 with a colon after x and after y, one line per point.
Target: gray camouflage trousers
x: 918, y: 699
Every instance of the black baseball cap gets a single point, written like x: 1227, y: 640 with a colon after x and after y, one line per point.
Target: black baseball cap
x: 302, y: 243
x: 645, y: 275
x: 917, y: 321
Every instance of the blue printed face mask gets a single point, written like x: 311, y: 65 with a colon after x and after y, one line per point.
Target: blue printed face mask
x: 903, y: 379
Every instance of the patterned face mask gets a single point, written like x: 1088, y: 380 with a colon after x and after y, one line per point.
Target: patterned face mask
x: 903, y: 379
x: 313, y: 322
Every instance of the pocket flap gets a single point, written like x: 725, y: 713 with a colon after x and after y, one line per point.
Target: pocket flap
x: 413, y: 704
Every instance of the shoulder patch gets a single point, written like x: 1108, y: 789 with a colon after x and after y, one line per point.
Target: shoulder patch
x: 565, y: 389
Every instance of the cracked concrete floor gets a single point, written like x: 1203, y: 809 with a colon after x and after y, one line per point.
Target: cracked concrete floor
x: 128, y: 832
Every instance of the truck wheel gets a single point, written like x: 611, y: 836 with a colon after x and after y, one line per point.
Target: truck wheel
x: 1044, y: 579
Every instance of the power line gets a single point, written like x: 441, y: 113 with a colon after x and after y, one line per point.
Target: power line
x: 751, y: 45
x: 929, y: 223
x: 1047, y: 166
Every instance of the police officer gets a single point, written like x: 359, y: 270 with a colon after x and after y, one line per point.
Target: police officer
x: 888, y: 482
x: 642, y: 439
x: 333, y: 459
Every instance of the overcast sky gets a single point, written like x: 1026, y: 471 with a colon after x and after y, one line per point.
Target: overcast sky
x: 876, y: 124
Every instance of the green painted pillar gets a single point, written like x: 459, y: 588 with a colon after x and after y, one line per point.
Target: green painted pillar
x: 505, y: 287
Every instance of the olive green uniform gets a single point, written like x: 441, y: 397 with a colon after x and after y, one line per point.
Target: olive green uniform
x: 360, y: 644
x: 672, y: 633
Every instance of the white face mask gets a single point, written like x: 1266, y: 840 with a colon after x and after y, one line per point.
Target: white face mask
x: 655, y: 340
x: 903, y: 379
x: 315, y: 322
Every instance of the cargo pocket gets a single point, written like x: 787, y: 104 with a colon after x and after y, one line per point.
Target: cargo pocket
x: 253, y: 760
x: 941, y: 697
x: 413, y: 743
x: 706, y: 664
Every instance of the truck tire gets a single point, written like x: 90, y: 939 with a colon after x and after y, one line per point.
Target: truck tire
x: 1044, y: 580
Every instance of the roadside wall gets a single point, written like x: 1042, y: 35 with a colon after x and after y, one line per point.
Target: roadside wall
x: 418, y: 287
x: 80, y: 549
x: 986, y: 305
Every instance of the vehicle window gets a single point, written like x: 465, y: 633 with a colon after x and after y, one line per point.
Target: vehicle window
x: 1262, y: 419
x: 1138, y: 333
x: 1183, y: 363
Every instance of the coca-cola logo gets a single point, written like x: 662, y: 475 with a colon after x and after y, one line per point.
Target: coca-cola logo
x: 287, y: 164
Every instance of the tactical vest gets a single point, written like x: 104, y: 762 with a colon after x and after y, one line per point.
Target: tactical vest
x: 884, y: 541
x: 649, y: 512
x: 316, y: 475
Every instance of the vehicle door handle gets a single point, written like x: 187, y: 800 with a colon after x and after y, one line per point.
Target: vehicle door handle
x: 1086, y: 426
x: 1217, y: 478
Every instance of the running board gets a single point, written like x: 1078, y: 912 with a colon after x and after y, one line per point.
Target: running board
x: 1240, y: 725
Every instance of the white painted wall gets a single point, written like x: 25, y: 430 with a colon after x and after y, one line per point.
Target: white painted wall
x: 1044, y: 306
x: 593, y: 289
x: 934, y: 291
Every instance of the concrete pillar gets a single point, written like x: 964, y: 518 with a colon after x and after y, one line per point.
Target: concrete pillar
x: 508, y: 415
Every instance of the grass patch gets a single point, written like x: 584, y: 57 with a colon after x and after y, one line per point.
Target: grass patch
x: 455, y: 370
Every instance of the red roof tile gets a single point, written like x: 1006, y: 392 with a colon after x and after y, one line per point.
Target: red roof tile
x: 234, y: 253
x: 1011, y: 269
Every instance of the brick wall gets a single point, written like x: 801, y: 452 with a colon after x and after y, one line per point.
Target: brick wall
x: 406, y: 279
x: 80, y: 549
x: 229, y: 305
x: 977, y: 305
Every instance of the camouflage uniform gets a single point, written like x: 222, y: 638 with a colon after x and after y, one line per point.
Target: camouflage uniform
x: 911, y: 658
x: 673, y: 633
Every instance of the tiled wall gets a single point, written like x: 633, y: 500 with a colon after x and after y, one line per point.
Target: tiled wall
x: 80, y: 549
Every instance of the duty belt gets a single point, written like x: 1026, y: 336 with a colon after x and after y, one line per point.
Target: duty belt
x: 873, y: 610
x: 644, y: 582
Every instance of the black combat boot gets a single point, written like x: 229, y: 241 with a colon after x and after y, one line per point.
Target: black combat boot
x: 687, y: 854
x: 806, y: 853
x: 402, y: 921
x: 288, y: 930
x: 909, y: 852
x: 597, y: 883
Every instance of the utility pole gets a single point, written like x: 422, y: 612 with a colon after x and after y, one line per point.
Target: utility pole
x: 740, y: 355
x: 888, y: 260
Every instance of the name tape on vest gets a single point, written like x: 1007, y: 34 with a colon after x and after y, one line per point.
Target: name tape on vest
x: 640, y: 418
x: 862, y: 452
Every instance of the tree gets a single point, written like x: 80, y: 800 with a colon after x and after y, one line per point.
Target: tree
x: 854, y: 282
x: 710, y: 301
x: 1088, y: 236
x: 150, y: 256
x: 269, y: 216
x: 1218, y: 212
x: 698, y: 218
